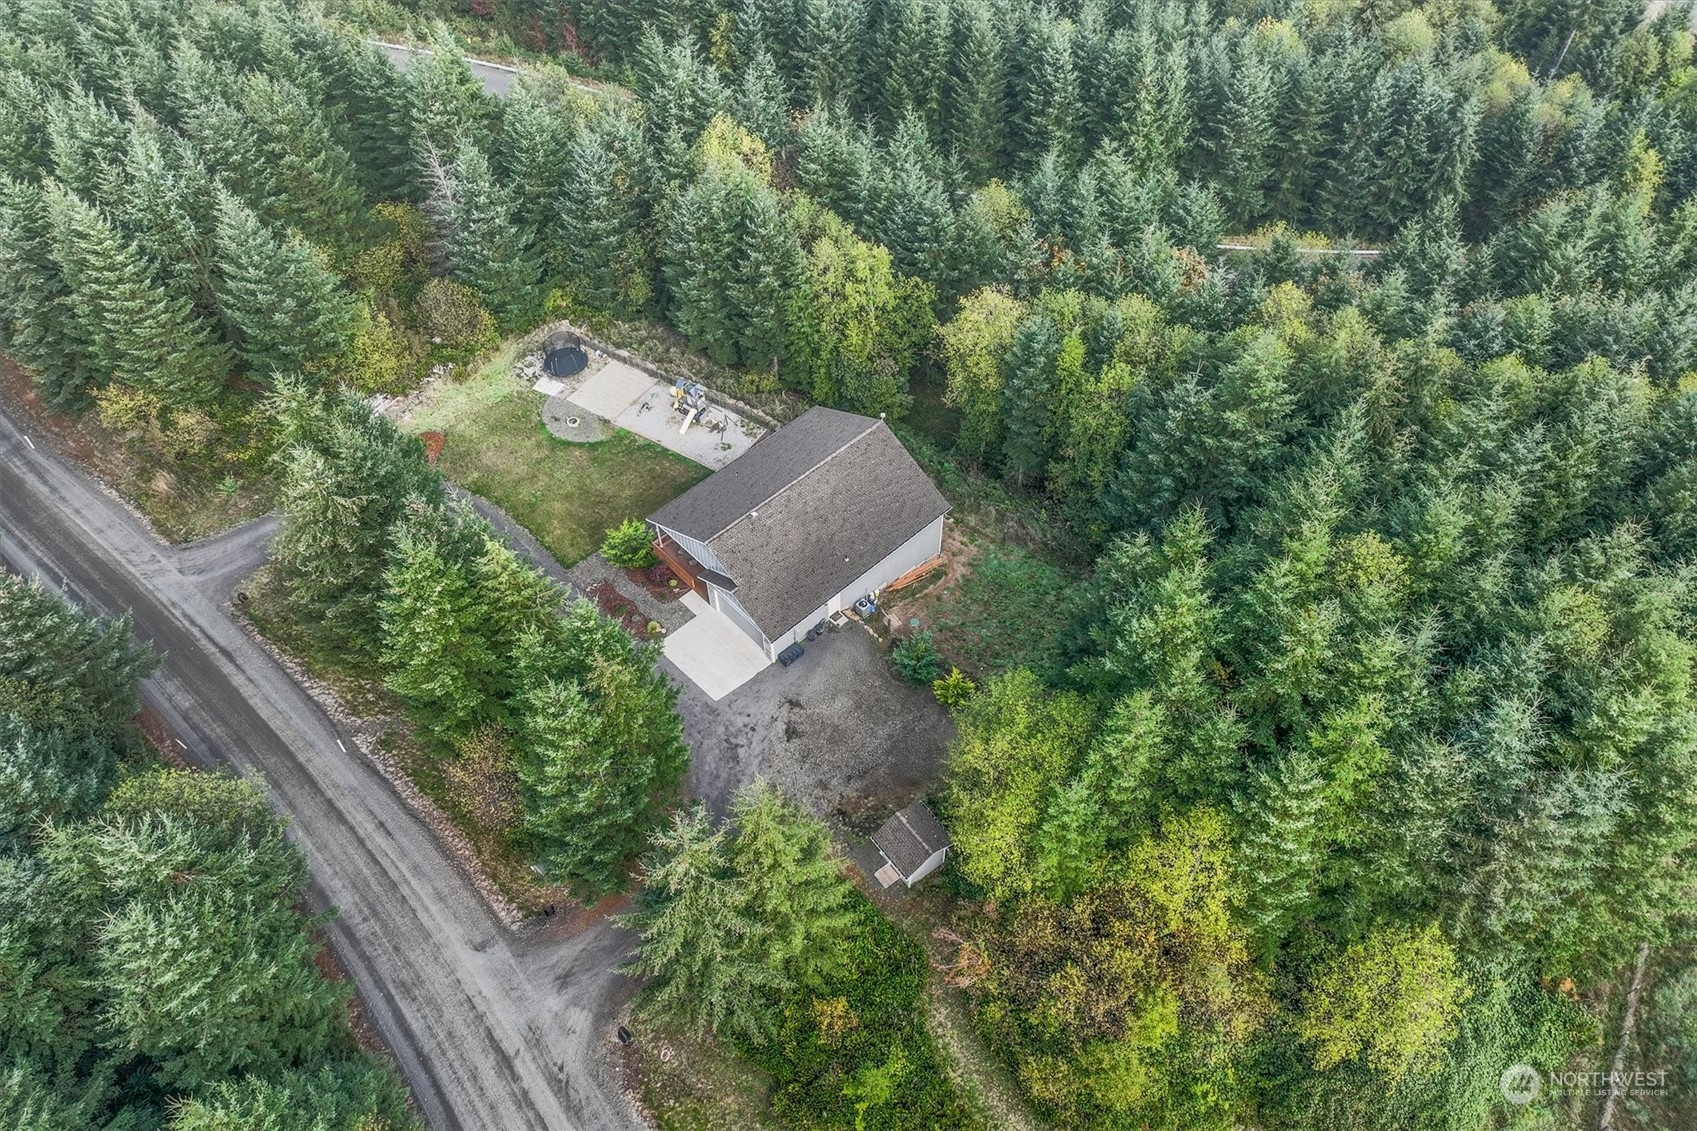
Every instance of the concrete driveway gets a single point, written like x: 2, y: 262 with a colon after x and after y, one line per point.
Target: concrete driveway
x: 716, y: 655
x: 836, y: 731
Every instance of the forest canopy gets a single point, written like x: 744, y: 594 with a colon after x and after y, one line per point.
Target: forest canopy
x: 1373, y: 704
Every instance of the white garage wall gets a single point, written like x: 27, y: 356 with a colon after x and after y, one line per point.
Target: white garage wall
x: 728, y: 604
x: 916, y: 551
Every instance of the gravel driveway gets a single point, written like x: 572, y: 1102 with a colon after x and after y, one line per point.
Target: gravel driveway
x: 836, y: 731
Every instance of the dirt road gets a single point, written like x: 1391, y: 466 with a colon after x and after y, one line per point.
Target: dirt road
x: 495, y: 1031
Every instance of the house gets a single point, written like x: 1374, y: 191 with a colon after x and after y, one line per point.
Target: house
x: 813, y: 517
x: 913, y: 843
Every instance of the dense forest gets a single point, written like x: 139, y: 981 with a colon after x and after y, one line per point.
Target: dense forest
x: 156, y: 968
x: 1369, y: 748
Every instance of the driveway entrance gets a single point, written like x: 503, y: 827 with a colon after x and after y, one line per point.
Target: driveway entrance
x: 714, y: 653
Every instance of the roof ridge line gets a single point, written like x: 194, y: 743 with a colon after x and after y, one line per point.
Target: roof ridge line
x: 845, y: 446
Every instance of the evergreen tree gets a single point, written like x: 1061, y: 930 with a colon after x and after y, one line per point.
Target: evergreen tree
x: 40, y: 326
x: 347, y: 476
x: 62, y: 669
x: 700, y: 945
x: 1282, y: 847
x: 1046, y: 107
x: 793, y: 884
x: 49, y: 775
x: 281, y: 302
x: 600, y: 746
x: 977, y: 83
x: 604, y: 248
x: 1028, y: 376
x: 436, y: 652
x: 486, y: 248
x: 140, y: 335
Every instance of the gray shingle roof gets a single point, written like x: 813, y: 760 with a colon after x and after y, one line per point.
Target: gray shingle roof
x: 807, y: 510
x: 773, y: 463
x: 909, y: 838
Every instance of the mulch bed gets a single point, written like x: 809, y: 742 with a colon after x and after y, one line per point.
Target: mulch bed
x: 616, y: 606
x: 433, y: 442
x: 662, y: 584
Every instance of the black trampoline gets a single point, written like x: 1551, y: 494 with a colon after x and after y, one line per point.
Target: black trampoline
x: 562, y: 355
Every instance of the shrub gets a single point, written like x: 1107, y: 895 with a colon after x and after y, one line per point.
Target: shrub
x: 954, y: 689
x: 629, y: 545
x: 454, y: 317
x: 915, y: 659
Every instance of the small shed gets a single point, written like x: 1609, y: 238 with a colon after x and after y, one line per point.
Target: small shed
x: 563, y: 355
x: 913, y: 843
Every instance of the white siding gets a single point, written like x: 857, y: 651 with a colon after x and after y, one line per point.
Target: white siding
x: 697, y: 550
x: 931, y: 865
x: 916, y: 551
x: 732, y: 608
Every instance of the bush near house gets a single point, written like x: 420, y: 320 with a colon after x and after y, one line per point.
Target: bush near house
x: 629, y: 545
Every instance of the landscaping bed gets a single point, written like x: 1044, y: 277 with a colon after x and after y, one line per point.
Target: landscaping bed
x: 615, y: 606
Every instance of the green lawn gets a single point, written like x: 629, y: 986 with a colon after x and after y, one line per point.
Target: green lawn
x: 568, y: 495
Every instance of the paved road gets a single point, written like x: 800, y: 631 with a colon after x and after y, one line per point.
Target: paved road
x: 494, y: 1031
x: 497, y: 78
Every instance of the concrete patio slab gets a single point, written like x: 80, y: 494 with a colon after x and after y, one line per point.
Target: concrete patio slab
x: 612, y: 389
x: 716, y: 655
x: 713, y: 440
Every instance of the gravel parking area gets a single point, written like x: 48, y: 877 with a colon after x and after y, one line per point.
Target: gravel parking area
x: 836, y: 731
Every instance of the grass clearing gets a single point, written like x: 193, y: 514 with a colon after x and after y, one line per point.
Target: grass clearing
x: 568, y: 495
x: 995, y: 606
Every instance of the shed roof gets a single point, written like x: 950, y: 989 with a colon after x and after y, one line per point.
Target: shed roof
x: 805, y: 511
x: 910, y: 838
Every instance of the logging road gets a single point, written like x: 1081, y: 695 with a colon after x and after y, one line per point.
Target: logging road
x: 494, y: 1030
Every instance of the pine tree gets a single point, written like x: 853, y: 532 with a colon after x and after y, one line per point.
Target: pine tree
x: 769, y: 279
x: 140, y: 335
x: 536, y: 143
x: 283, y: 305
x: 211, y: 982
x: 600, y: 746
x: 793, y: 884
x: 347, y: 476
x: 448, y: 103
x: 912, y: 216
x: 40, y: 326
x: 437, y: 655
x: 762, y: 102
x: 700, y: 945
x: 62, y: 669
x: 1047, y: 110
x: 486, y: 247
x: 1028, y: 377
x: 1241, y: 134
x: 1069, y: 846
x: 1282, y: 847
x: 310, y: 179
x: 49, y: 775
x: 976, y: 114
x: 604, y: 252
